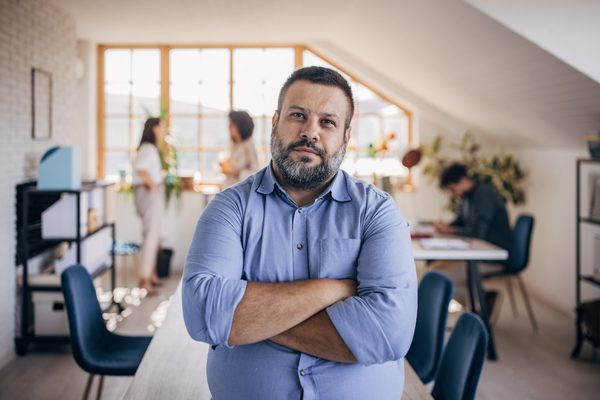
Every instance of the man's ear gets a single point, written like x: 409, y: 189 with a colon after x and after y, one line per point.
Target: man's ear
x: 347, y: 134
x: 275, y: 118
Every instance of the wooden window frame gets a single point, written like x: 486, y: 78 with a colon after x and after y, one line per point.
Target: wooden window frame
x: 165, y: 85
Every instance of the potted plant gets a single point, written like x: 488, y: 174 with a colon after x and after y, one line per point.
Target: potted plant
x: 502, y: 171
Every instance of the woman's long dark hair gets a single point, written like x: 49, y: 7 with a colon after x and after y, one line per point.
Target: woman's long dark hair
x: 148, y: 135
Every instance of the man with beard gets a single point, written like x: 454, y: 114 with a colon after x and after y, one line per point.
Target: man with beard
x: 301, y: 278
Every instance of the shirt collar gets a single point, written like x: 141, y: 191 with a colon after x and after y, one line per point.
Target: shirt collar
x: 337, y: 188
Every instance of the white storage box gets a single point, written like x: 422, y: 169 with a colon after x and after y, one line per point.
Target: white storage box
x: 59, y: 221
x: 50, y: 314
x: 94, y: 253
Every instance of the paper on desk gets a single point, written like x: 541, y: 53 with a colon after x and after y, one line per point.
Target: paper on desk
x: 444, y: 244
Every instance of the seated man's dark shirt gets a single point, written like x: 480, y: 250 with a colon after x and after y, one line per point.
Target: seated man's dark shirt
x: 482, y: 215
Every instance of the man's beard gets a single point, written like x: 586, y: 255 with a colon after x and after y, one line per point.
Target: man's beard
x: 299, y: 174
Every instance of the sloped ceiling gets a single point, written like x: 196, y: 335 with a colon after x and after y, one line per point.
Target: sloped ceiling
x: 567, y: 29
x: 445, y: 53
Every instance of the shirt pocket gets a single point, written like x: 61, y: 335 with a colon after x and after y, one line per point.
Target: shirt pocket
x: 339, y: 258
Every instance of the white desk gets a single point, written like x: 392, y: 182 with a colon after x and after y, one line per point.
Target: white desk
x: 480, y: 251
x: 174, y: 366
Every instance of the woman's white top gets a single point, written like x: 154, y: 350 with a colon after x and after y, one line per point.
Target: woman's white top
x: 147, y: 159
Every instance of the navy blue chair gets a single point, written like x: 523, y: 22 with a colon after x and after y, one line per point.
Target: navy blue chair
x: 518, y: 258
x: 462, y: 360
x: 435, y: 293
x: 97, y: 350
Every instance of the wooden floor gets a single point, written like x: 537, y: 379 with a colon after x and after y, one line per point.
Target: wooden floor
x: 530, y: 366
x: 49, y: 372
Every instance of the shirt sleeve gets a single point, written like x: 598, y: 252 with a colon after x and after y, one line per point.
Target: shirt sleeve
x: 378, y: 324
x: 212, y: 286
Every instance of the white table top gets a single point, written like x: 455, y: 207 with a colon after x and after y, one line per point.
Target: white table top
x: 480, y: 251
x: 174, y: 365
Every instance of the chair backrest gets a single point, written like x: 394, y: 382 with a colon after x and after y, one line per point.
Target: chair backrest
x: 435, y: 293
x: 518, y: 254
x: 462, y: 361
x: 87, y: 327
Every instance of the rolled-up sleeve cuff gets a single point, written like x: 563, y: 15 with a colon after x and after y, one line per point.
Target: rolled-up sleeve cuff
x: 236, y: 290
x: 360, y: 330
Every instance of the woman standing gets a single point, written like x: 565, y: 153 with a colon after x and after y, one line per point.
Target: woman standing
x: 149, y: 199
x: 243, y: 160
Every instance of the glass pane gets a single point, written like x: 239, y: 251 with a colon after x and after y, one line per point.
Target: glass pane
x: 262, y: 132
x: 278, y: 64
x: 214, y: 97
x: 367, y: 131
x: 248, y: 96
x: 215, y: 65
x: 145, y: 65
x: 137, y: 129
x: 116, y: 132
x: 117, y: 65
x: 185, y: 65
x: 146, y: 99
x: 215, y: 132
x: 187, y: 161
x: 116, y: 98
x: 248, y: 65
x: 184, y: 98
x: 115, y: 160
x: 397, y: 125
x: 211, y: 165
x: 185, y: 131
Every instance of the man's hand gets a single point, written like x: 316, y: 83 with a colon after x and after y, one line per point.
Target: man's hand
x: 442, y: 227
x: 268, y: 309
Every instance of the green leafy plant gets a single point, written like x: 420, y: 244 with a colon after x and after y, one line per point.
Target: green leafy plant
x: 168, y: 159
x: 501, y: 171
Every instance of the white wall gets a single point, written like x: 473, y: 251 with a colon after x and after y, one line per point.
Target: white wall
x: 551, y: 199
x: 86, y: 107
x: 32, y: 34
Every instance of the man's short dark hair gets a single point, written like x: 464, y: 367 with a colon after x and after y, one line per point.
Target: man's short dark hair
x: 452, y: 174
x: 320, y: 76
x: 244, y: 123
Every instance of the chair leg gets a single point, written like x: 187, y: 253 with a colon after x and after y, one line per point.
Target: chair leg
x: 527, y: 304
x: 511, y: 295
x: 88, y: 386
x: 100, y: 387
x: 124, y: 270
x: 136, y: 266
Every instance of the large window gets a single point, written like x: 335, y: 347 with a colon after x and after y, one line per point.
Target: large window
x: 195, y: 88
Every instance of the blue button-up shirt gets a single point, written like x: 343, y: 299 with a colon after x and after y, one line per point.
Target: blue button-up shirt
x: 255, y: 232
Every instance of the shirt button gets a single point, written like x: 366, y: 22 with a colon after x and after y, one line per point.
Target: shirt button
x: 302, y: 372
x: 299, y: 246
x: 300, y: 210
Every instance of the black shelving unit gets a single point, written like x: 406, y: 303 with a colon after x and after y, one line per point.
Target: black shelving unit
x: 580, y: 334
x: 30, y: 204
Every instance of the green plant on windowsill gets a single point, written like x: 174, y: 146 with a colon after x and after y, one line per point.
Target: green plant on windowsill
x: 503, y: 172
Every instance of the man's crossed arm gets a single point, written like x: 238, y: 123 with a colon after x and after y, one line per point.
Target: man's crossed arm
x: 293, y: 315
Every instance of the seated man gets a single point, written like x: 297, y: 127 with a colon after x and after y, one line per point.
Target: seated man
x: 300, y: 277
x: 482, y: 213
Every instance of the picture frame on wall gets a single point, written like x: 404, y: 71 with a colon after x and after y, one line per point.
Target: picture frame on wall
x: 41, y: 104
x: 595, y: 203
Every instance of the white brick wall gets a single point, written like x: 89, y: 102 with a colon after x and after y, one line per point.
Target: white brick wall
x: 33, y: 33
